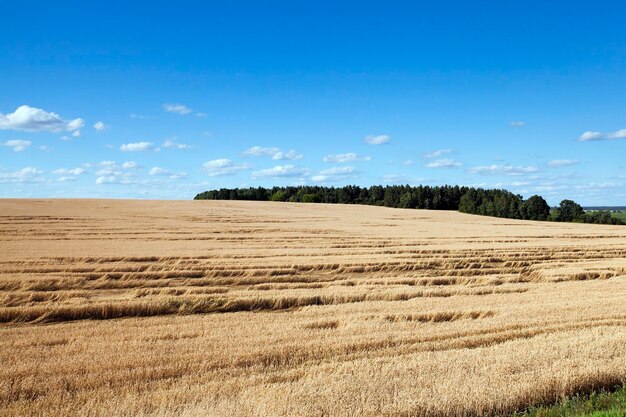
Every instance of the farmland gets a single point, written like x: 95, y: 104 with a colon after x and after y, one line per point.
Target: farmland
x: 124, y: 307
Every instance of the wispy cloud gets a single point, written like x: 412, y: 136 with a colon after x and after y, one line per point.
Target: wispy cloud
x: 18, y: 145
x: 67, y: 175
x: 111, y: 172
x: 518, y: 124
x: 593, y: 136
x: 141, y: 116
x: 115, y: 179
x: 175, y: 145
x: 33, y: 119
x: 137, y: 147
x: 401, y: 179
x: 177, y: 108
x: 290, y: 155
x: 335, y: 174
x: 108, y: 172
x: 509, y: 170
x: 24, y: 175
x: 444, y: 163
x: 280, y: 171
x: 512, y: 184
x: 377, y: 139
x: 100, y: 126
x: 275, y: 153
x: 260, y: 151
x: 437, y: 153
x: 74, y: 171
x: 343, y: 158
x: 130, y: 165
x: 555, y: 163
x: 223, y: 167
x: 158, y: 171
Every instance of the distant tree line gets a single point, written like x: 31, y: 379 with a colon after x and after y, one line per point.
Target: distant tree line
x: 495, y: 202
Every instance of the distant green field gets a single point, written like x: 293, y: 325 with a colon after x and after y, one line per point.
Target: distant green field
x: 620, y: 215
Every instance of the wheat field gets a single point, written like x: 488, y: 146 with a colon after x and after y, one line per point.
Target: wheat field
x: 189, y: 308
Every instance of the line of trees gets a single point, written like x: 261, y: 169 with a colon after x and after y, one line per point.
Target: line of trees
x: 497, y: 203
x: 570, y: 211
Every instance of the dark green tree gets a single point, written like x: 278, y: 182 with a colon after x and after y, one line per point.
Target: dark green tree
x: 310, y: 198
x: 570, y: 211
x: 536, y: 208
x: 278, y: 196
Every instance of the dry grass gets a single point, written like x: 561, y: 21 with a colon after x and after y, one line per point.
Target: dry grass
x: 256, y: 309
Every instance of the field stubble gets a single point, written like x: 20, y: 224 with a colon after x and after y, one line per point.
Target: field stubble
x: 242, y: 308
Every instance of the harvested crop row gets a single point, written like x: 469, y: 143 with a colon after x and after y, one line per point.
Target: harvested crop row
x: 262, y: 309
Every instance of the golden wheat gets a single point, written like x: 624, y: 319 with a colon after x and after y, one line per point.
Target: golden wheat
x: 258, y: 309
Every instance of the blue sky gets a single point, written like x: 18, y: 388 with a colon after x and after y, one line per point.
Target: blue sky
x: 164, y: 100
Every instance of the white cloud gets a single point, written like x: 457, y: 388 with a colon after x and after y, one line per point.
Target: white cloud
x: 512, y: 184
x: 201, y: 114
x: 222, y: 167
x: 346, y: 157
x: 177, y: 108
x: 114, y: 173
x: 130, y: 165
x: 140, y: 116
x: 112, y: 179
x: 137, y: 147
x: 99, y: 126
x: 158, y: 171
x: 509, y: 170
x: 108, y: 171
x: 274, y: 152
x: 549, y: 187
x: 261, y: 151
x: 24, y: 175
x: 45, y: 148
x: 437, y: 153
x: 444, y: 163
x: 75, y: 125
x: 34, y: 119
x: 518, y: 124
x: 377, y: 139
x: 401, y: 179
x: 562, y: 162
x: 335, y: 174
x: 591, y: 136
x: 75, y: 171
x: 66, y: 179
x: 598, y: 186
x: 280, y: 171
x: 111, y: 174
x: 177, y: 175
x: 18, y: 145
x: 175, y: 145
x: 291, y: 155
